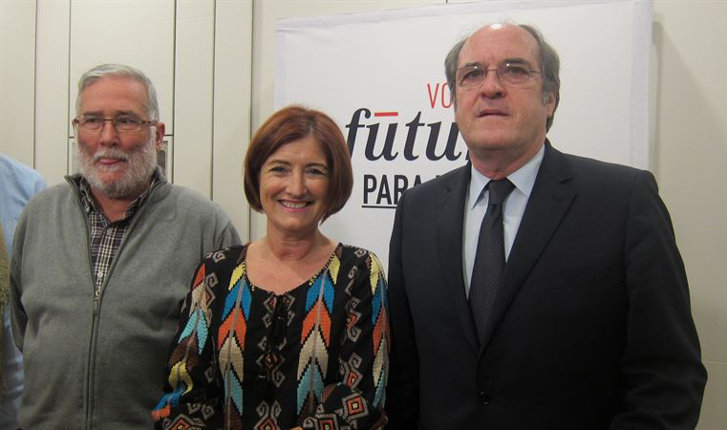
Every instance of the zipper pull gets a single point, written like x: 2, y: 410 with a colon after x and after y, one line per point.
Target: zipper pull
x: 96, y: 299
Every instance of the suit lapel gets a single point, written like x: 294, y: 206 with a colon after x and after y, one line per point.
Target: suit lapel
x: 450, y: 218
x: 549, y: 201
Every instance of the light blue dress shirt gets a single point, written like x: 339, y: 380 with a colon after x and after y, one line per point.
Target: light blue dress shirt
x: 512, y: 210
x: 18, y: 183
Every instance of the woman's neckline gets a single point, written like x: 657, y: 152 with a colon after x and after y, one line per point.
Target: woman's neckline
x: 306, y: 282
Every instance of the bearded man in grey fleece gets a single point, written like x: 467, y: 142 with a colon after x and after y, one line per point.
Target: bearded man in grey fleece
x: 101, y: 265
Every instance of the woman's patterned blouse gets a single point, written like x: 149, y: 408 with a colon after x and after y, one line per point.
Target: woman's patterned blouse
x: 246, y: 358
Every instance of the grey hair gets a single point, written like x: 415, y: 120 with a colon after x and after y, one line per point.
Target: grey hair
x: 151, y: 106
x: 450, y: 67
x: 549, y: 63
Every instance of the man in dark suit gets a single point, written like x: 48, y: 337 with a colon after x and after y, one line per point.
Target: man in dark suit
x: 588, y: 324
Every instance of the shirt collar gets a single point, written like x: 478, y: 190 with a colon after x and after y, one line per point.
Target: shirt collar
x: 89, y: 204
x: 523, y: 178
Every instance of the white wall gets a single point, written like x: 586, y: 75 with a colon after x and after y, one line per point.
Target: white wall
x: 197, y: 53
x: 690, y: 40
x: 17, y: 50
x: 222, y: 72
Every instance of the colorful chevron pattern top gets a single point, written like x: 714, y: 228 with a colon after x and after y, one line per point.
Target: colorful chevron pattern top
x: 314, y: 357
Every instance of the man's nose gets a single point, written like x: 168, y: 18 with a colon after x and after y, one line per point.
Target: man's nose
x: 109, y: 134
x: 491, y: 86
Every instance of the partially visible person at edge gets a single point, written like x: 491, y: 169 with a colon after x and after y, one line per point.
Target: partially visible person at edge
x: 8, y: 412
x: 289, y: 331
x: 532, y: 289
x: 100, y: 265
x: 18, y: 183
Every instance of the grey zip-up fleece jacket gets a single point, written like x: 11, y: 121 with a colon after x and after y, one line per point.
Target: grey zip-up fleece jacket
x: 100, y: 364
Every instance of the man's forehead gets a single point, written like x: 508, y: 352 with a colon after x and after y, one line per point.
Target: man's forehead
x: 114, y: 89
x: 118, y: 80
x: 499, y: 40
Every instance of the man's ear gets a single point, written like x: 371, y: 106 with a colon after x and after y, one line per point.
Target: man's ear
x: 550, y: 104
x: 159, y: 135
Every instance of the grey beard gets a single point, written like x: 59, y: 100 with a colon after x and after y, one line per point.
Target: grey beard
x: 141, y: 163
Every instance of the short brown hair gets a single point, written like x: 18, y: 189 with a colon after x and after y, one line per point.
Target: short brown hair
x: 293, y: 123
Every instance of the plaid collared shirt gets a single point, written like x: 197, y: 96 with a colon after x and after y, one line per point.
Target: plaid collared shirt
x: 106, y: 236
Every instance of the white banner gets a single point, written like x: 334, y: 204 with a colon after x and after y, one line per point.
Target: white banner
x: 380, y: 76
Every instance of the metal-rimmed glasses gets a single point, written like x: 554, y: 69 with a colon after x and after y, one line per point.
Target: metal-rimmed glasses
x: 511, y: 73
x: 124, y: 123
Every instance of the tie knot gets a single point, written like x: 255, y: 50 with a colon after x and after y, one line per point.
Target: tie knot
x: 499, y: 190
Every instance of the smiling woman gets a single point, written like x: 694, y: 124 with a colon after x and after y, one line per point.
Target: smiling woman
x: 293, y: 188
x: 290, y: 331
x: 295, y: 123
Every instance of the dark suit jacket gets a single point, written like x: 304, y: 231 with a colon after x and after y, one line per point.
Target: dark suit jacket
x: 592, y: 329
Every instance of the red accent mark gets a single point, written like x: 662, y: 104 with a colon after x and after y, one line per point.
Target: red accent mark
x: 386, y: 113
x: 433, y: 97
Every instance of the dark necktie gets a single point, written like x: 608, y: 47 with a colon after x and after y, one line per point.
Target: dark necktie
x: 487, y: 273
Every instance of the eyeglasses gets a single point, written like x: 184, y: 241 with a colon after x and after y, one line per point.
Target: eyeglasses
x: 122, y: 123
x: 515, y: 74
